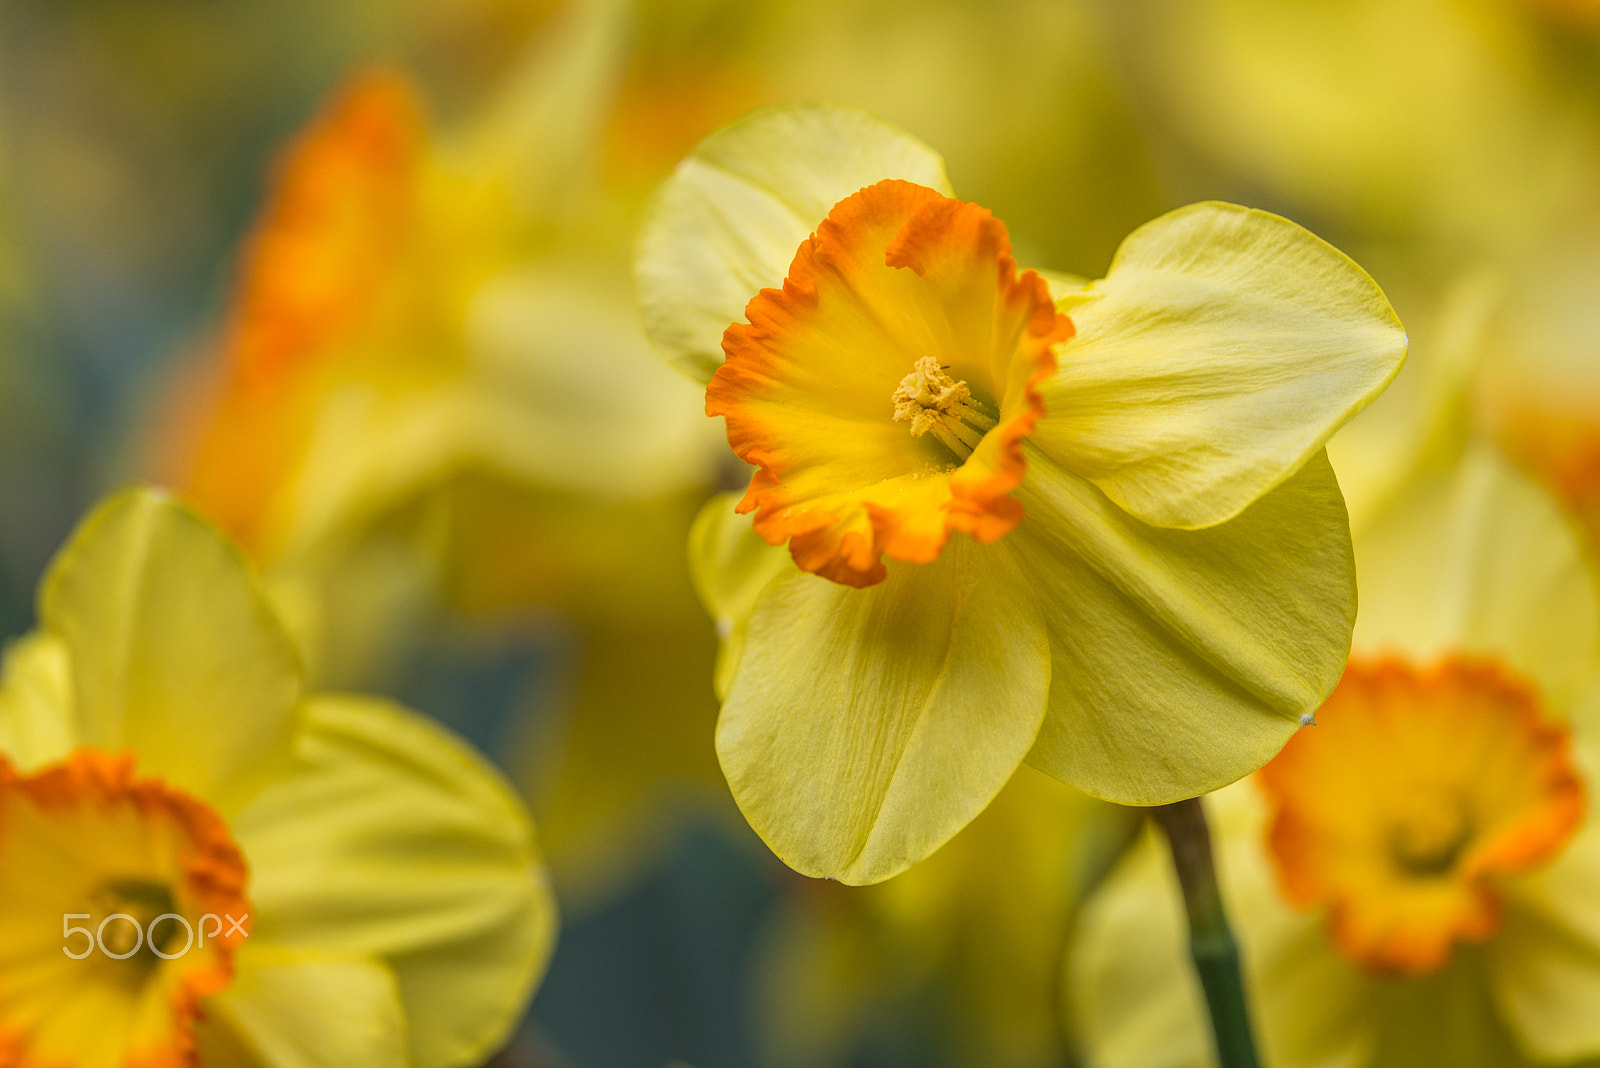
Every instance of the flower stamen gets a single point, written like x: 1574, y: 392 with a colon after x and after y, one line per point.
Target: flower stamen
x: 933, y: 402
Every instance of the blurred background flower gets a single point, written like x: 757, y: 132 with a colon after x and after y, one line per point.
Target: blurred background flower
x: 354, y: 278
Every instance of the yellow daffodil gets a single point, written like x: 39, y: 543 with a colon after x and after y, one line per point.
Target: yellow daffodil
x: 431, y: 392
x: 1097, y: 533
x: 397, y: 323
x: 1413, y: 879
x: 202, y: 864
x: 422, y: 305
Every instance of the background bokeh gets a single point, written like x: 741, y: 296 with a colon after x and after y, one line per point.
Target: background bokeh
x: 499, y: 540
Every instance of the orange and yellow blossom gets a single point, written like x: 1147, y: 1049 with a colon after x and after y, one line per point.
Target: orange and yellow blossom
x: 1091, y: 528
x: 419, y: 307
x: 1412, y: 879
x: 430, y: 396
x: 862, y: 286
x: 343, y: 201
x: 87, y: 834
x: 1464, y: 781
x: 200, y: 864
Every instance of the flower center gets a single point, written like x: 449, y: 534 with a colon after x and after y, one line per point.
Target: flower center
x: 121, y: 906
x: 146, y: 934
x: 933, y: 402
x: 897, y: 274
x: 1429, y: 839
x: 1418, y: 793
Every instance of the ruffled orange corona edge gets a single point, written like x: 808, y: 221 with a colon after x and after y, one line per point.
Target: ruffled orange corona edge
x: 1418, y: 791
x: 211, y: 877
x: 1559, y: 444
x: 341, y: 207
x: 896, y: 271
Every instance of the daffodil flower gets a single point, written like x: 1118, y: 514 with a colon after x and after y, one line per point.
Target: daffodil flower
x: 404, y: 317
x: 1090, y: 527
x: 1413, y: 879
x: 201, y: 864
x: 430, y: 393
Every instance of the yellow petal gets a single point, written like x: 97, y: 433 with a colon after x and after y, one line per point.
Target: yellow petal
x: 1449, y: 1018
x: 569, y: 394
x: 1544, y: 965
x: 393, y: 839
x: 1424, y: 418
x: 175, y: 652
x: 1479, y: 561
x: 1132, y: 995
x: 730, y: 565
x: 289, y: 1009
x: 1222, y: 350
x: 370, y: 449
x: 36, y: 721
x: 1183, y: 659
x: 865, y: 727
x: 1547, y: 979
x: 538, y: 131
x: 983, y: 921
x: 727, y: 223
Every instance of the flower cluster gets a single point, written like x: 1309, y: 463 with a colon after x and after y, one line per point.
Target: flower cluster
x: 1128, y: 644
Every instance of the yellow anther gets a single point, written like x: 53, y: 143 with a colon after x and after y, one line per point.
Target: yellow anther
x: 933, y: 402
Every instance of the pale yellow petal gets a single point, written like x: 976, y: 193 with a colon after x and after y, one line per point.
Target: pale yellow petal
x: 1221, y: 351
x: 1449, y: 1017
x: 1544, y: 965
x: 1132, y: 995
x: 571, y: 397
x: 392, y: 839
x: 1546, y: 978
x: 175, y: 652
x: 370, y: 450
x: 1479, y: 561
x: 1423, y: 420
x: 37, y: 725
x: 1310, y: 1004
x: 302, y: 1009
x: 731, y: 565
x: 1183, y: 659
x: 728, y: 222
x: 539, y: 131
x: 865, y: 727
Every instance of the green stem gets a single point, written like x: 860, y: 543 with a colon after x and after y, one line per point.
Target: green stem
x: 1211, y: 944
